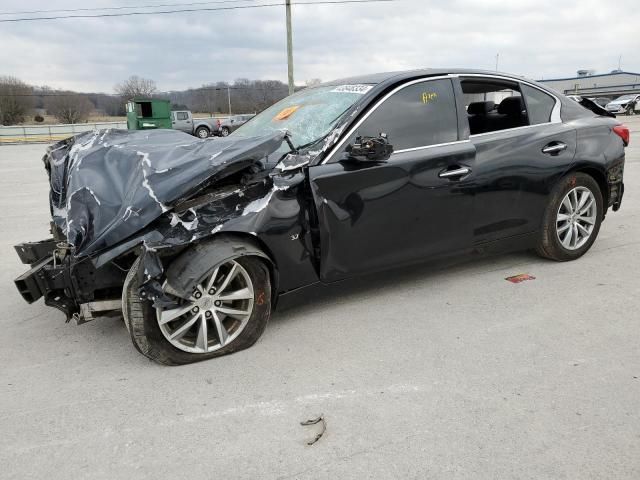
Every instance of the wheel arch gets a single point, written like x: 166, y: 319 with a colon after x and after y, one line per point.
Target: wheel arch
x: 206, y: 127
x: 599, y: 176
x: 183, y: 272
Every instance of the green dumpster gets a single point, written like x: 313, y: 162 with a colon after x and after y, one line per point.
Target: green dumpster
x: 145, y: 113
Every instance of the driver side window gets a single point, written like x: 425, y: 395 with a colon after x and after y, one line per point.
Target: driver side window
x: 419, y: 115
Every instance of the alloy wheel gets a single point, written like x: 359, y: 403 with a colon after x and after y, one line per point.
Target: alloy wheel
x: 214, y: 314
x: 576, y: 218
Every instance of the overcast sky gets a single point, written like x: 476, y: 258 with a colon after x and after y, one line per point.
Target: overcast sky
x: 536, y: 38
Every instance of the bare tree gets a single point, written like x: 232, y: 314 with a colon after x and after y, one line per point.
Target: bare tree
x: 69, y: 107
x: 15, y: 100
x: 136, y: 86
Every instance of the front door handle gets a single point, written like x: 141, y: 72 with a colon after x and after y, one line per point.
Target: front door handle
x: 554, y: 148
x: 457, y: 172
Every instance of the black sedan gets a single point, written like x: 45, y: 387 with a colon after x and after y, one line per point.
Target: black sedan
x: 195, y: 241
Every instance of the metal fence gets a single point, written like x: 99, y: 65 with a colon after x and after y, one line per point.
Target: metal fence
x: 51, y: 133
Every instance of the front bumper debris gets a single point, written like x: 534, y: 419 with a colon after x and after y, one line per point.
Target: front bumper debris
x: 73, y: 286
x: 48, y: 276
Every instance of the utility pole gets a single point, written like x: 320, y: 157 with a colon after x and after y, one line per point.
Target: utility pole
x: 289, y: 47
x: 229, y: 97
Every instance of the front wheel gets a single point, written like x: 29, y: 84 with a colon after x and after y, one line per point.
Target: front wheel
x: 225, y: 131
x: 572, y: 218
x: 227, y: 311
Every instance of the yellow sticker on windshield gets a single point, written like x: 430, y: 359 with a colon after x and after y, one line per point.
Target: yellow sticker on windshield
x: 286, y: 113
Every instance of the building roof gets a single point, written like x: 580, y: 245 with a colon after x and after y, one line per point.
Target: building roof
x: 610, y: 74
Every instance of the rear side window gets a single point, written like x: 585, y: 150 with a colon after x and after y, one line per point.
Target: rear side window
x: 419, y: 115
x: 539, y: 104
x: 182, y: 116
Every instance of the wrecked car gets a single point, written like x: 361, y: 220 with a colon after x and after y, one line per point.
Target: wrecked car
x: 195, y: 241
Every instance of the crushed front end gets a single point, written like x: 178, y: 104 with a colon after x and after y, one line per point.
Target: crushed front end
x: 117, y: 195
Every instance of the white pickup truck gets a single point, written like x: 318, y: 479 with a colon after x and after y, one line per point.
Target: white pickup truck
x: 200, y: 127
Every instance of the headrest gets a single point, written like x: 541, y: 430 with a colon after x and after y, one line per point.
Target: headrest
x: 511, y: 106
x: 480, y: 108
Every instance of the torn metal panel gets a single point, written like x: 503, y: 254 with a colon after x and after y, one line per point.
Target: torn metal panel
x: 107, y: 185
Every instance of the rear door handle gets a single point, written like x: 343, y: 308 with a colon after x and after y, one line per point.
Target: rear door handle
x: 457, y: 172
x: 554, y: 148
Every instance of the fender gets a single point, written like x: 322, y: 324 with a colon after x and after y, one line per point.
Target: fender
x: 190, y: 266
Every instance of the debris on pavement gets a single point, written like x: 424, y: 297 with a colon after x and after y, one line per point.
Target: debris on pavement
x: 520, y: 278
x: 315, y: 421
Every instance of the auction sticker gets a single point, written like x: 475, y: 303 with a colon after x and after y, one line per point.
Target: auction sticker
x: 287, y: 112
x: 359, y: 89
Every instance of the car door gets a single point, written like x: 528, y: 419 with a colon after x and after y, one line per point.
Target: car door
x: 414, y: 205
x: 516, y: 168
x: 181, y: 121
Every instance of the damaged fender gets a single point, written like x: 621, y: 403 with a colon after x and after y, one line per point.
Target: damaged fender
x: 184, y: 272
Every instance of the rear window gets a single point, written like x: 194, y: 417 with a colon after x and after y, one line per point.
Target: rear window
x: 539, y: 105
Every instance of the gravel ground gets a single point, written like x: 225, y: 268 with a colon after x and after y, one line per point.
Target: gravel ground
x: 427, y: 372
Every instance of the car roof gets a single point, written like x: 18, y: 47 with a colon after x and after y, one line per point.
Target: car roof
x: 384, y: 77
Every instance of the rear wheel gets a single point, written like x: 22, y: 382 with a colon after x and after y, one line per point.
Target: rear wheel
x: 572, y: 219
x: 202, y: 132
x: 227, y: 311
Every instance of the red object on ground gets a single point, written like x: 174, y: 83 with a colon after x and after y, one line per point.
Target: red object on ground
x: 520, y: 278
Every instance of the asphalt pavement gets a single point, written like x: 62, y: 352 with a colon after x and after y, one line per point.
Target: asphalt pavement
x: 426, y: 372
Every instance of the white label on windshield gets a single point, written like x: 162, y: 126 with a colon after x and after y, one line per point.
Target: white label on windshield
x: 359, y: 89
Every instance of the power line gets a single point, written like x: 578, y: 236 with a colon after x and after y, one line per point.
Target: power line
x: 127, y: 7
x: 283, y: 87
x: 186, y: 10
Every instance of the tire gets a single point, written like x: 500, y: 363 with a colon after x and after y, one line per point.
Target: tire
x: 202, y: 132
x: 554, y: 242
x: 152, y: 341
x: 225, y: 131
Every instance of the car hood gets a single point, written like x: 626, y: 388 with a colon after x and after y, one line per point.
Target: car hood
x: 107, y: 185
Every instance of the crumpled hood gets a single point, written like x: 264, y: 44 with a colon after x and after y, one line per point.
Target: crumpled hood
x: 107, y: 185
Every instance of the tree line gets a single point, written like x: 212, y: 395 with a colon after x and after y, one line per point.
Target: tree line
x: 21, y: 102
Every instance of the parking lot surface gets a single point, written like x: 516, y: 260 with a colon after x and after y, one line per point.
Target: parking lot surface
x: 426, y: 372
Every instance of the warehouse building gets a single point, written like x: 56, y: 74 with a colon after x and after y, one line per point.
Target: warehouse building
x: 587, y: 84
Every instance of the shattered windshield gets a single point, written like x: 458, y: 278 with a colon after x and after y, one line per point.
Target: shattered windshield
x: 625, y: 97
x: 308, y: 115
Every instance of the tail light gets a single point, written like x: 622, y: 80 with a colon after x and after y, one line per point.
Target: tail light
x: 623, y: 132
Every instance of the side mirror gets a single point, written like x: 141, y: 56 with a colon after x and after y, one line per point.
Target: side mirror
x: 370, y: 149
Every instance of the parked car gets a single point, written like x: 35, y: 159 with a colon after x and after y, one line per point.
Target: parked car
x: 198, y: 241
x: 232, y: 123
x: 627, y: 104
x: 200, y: 127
